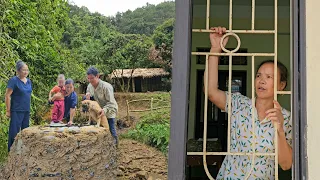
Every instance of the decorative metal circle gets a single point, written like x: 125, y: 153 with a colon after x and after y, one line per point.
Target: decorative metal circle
x: 237, y: 38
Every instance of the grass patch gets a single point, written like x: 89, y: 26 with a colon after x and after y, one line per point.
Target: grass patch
x: 153, y: 129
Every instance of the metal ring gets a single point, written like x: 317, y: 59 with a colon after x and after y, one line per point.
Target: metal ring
x: 237, y: 38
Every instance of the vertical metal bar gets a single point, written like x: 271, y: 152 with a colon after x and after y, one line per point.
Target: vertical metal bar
x: 295, y: 86
x: 294, y: 111
x: 208, y: 15
x: 253, y: 9
x: 253, y: 111
x: 206, y: 120
x: 275, y: 83
x: 230, y: 16
x: 205, y: 115
x: 229, y: 100
x: 295, y: 90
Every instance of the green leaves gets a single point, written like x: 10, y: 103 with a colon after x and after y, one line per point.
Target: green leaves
x: 144, y: 20
x: 162, y: 38
x: 120, y: 42
x: 31, y: 31
x: 153, y: 129
x: 4, y: 125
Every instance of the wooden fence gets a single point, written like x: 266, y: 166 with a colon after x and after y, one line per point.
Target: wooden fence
x: 152, y: 102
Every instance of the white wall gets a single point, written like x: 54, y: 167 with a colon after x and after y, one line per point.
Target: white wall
x: 313, y: 87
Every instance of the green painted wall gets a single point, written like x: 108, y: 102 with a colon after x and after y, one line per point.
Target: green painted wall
x: 252, y: 42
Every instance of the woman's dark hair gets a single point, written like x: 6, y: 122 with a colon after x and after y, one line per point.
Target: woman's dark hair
x: 283, y: 70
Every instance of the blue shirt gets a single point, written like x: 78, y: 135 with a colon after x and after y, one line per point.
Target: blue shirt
x: 70, y: 102
x: 21, y: 95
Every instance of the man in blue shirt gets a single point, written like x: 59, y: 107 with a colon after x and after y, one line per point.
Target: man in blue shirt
x: 70, y: 101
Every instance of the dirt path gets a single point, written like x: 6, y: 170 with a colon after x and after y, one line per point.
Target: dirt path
x: 139, y: 161
x: 136, y: 161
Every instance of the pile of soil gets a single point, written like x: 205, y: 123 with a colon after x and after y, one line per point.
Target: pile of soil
x: 141, y: 162
x: 62, y: 153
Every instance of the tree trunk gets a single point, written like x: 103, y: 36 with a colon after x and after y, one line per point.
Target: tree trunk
x: 123, y: 89
x: 119, y: 81
x: 128, y: 88
x: 133, y: 85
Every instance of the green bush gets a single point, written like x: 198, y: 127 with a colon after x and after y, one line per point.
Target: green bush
x: 4, y: 125
x: 153, y: 129
x: 160, y: 116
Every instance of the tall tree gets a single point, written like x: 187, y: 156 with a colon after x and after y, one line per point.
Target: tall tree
x: 130, y: 52
x: 161, y: 52
x: 35, y: 28
x: 144, y: 20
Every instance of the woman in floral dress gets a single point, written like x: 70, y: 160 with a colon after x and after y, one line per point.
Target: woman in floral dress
x: 267, y: 113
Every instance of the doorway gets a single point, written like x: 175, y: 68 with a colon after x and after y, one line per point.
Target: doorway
x: 217, y: 120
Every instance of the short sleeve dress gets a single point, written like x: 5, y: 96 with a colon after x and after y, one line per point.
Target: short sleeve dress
x: 235, y: 167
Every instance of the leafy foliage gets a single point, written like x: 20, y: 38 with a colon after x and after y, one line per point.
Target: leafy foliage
x: 131, y: 53
x: 86, y: 35
x: 96, y: 41
x: 54, y: 37
x: 162, y: 38
x: 31, y: 31
x: 4, y: 126
x: 153, y: 129
x: 144, y: 20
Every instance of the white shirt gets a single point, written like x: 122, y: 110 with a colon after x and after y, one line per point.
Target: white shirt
x: 104, y: 95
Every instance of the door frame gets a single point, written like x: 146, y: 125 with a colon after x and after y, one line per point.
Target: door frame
x: 223, y: 75
x: 181, y: 80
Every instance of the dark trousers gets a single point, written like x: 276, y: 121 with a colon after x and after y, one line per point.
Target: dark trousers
x: 19, y: 121
x: 112, y: 128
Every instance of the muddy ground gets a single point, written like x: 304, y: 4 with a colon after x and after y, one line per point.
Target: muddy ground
x: 68, y: 159
x: 139, y: 161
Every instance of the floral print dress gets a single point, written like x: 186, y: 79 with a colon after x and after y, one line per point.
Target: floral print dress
x: 235, y: 167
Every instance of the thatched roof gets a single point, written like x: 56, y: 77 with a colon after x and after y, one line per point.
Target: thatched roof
x: 140, y: 72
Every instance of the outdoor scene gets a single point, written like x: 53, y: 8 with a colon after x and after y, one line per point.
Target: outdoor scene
x: 85, y: 88
x: 66, y: 48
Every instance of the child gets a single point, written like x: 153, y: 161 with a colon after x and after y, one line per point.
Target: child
x: 70, y: 101
x: 58, y: 93
x: 267, y: 113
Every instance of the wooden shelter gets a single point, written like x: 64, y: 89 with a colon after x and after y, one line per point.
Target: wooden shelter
x: 141, y: 79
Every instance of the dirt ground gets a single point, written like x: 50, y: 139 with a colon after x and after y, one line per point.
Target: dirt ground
x: 139, y: 161
x: 131, y: 161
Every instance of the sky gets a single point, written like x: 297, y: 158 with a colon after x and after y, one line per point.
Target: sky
x: 111, y: 7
